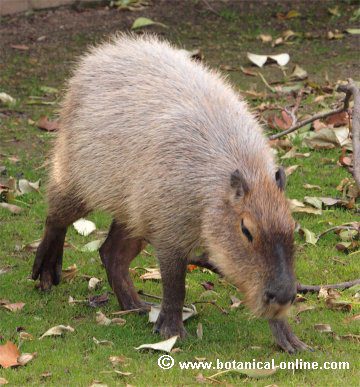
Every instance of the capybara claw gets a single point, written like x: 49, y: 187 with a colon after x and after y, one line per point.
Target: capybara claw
x: 169, y: 325
x: 285, y: 338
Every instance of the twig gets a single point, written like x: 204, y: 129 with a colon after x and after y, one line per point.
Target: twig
x: 266, y: 83
x: 345, y: 226
x: 316, y: 288
x: 293, y: 111
x: 222, y: 310
x: 149, y: 295
x: 210, y: 8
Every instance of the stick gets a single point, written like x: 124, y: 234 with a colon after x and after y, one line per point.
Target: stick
x: 210, y: 8
x: 316, y: 288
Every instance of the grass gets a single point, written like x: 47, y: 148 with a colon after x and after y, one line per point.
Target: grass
x: 75, y: 359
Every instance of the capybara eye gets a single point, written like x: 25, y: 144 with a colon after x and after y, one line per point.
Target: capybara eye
x: 246, y: 232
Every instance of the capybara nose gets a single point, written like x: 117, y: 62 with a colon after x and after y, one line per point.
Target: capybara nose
x: 280, y: 297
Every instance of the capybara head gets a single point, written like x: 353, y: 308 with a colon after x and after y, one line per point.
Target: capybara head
x: 254, y: 247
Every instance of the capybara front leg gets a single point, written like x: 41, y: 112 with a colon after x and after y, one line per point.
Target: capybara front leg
x: 116, y: 253
x: 48, y: 260
x: 285, y: 337
x: 173, y: 272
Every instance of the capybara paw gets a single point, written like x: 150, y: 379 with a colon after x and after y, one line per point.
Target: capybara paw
x: 48, y: 278
x: 285, y: 337
x: 169, y: 325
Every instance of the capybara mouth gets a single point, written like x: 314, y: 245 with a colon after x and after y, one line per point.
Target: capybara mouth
x: 263, y: 309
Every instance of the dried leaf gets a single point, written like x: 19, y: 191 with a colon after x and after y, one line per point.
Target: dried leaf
x: 313, y: 201
x: 102, y: 342
x: 93, y: 283
x: 259, y: 60
x: 9, y: 354
x: 353, y: 31
x: 69, y: 273
x: 298, y: 74
x: 351, y: 337
x: 235, y: 302
x: 280, y: 59
x: 3, y: 381
x: 84, y: 227
x: 165, y: 345
x: 25, y: 358
x: 101, y: 319
x: 7, y: 99
x: 92, y: 246
x: 58, y: 330
x: 14, y: 307
x: 117, y: 360
x: 207, y: 285
x: 11, y: 207
x: 155, y: 311
x: 338, y: 119
x: 301, y: 308
x: 291, y: 169
x: 311, y: 186
x: 152, y: 274
x: 98, y: 300
x: 265, y: 38
x: 324, y: 328
x: 355, y: 317
x: 334, y: 304
x: 49, y: 126
x: 24, y: 336
x: 310, y: 236
x: 21, y: 47
x: 26, y: 186
x: 327, y: 138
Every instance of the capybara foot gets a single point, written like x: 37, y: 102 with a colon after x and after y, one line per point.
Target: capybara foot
x: 285, y: 337
x: 169, y: 325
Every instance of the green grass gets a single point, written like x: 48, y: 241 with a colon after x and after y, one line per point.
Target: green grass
x: 75, y: 359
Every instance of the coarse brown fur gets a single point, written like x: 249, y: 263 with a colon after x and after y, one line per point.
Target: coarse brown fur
x: 173, y: 154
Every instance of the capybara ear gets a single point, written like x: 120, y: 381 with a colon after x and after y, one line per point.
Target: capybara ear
x: 280, y: 178
x: 238, y: 183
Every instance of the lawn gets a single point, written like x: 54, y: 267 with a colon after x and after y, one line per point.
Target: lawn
x: 75, y: 359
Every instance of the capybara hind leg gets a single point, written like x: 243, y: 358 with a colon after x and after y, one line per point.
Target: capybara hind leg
x: 48, y: 260
x: 116, y: 253
x: 285, y: 338
x: 173, y: 272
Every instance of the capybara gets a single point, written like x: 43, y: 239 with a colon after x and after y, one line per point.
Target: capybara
x: 172, y: 152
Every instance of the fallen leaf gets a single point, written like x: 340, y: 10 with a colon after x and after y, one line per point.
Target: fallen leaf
x: 334, y: 304
x: 235, y: 302
x: 247, y: 71
x: 251, y: 373
x: 32, y: 246
x: 265, y: 38
x: 117, y: 360
x: 301, y: 308
x: 298, y: 74
x: 46, y: 374
x: 207, y: 285
x: 92, y: 246
x: 327, y: 138
x: 311, y: 186
x: 155, y: 311
x: 152, y: 274
x: 141, y: 22
x: 165, y: 345
x: 259, y: 60
x: 21, y: 47
x: 310, y: 236
x: 313, y: 201
x: 49, y: 90
x: 58, y: 330
x: 93, y: 283
x: 84, y: 227
x: 353, y: 31
x: 291, y: 169
x: 338, y: 119
x: 334, y: 35
x: 25, y: 358
x: 11, y: 207
x: 101, y: 319
x: 69, y: 273
x: 351, y: 337
x: 26, y: 186
x: 355, y: 317
x: 191, y: 268
x: 49, y: 126
x: 98, y: 300
x: 3, y: 381
x: 102, y: 342
x: 199, y: 331
x: 24, y: 336
x: 7, y: 99
x: 9, y: 354
x: 14, y: 307
x: 324, y: 328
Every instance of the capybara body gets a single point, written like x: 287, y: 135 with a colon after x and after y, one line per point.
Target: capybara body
x: 173, y: 154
